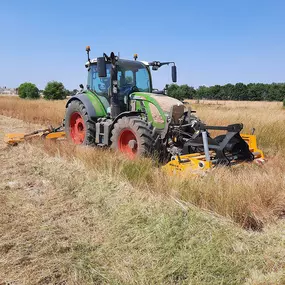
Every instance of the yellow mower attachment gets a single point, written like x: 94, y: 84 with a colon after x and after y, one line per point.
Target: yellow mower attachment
x: 50, y: 133
x: 197, y: 164
x: 194, y: 164
x: 251, y: 141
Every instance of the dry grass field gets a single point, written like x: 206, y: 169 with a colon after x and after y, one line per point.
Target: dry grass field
x: 33, y: 111
x: 72, y: 215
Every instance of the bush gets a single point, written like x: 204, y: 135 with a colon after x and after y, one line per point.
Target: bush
x: 284, y: 102
x: 55, y: 91
x: 28, y: 90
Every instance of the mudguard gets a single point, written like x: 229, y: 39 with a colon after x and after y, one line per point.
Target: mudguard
x: 86, y: 102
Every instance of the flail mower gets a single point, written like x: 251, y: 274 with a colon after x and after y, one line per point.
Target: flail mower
x: 120, y: 109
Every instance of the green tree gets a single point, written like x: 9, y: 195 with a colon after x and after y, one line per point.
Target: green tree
x: 228, y: 91
x: 172, y: 90
x: 55, y: 91
x: 240, y: 92
x: 74, y: 91
x: 276, y: 92
x: 215, y: 92
x: 282, y: 92
x: 181, y: 92
x: 69, y: 92
x: 202, y: 92
x: 255, y: 92
x: 28, y: 90
x: 186, y: 92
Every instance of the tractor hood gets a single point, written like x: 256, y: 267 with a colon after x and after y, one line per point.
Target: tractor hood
x: 165, y: 102
x: 157, y: 106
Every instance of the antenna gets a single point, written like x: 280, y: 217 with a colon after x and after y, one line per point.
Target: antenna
x: 88, y: 51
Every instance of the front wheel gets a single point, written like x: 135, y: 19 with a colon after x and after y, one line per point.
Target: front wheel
x: 133, y: 137
x: 79, y: 127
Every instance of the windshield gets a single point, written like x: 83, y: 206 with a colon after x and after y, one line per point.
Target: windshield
x: 133, y: 73
x: 130, y: 74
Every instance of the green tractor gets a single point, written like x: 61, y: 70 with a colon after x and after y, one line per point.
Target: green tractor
x: 120, y: 109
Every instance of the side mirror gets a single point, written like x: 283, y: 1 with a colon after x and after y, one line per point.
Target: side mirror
x: 101, y: 66
x: 81, y: 86
x: 174, y: 73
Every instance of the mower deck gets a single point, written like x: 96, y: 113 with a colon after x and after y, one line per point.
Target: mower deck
x: 197, y: 163
x: 50, y: 133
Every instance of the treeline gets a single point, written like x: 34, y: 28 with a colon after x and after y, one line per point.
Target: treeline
x: 238, y: 92
x: 53, y: 91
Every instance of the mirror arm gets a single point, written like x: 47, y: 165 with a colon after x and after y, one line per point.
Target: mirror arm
x: 167, y: 63
x: 161, y: 63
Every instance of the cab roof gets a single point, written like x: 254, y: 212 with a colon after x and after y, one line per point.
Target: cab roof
x: 94, y: 61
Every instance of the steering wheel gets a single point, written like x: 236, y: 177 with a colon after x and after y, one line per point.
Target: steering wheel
x: 102, y: 89
x: 128, y: 89
x: 104, y: 85
x: 134, y: 89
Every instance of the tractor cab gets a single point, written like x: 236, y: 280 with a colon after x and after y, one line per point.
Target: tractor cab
x: 132, y: 76
x: 112, y: 80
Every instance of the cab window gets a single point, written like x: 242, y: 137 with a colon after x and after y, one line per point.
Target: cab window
x: 99, y: 84
x: 142, y: 80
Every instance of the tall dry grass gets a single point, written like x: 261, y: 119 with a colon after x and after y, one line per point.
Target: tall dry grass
x: 65, y: 223
x: 268, y: 119
x: 250, y: 195
x: 33, y: 111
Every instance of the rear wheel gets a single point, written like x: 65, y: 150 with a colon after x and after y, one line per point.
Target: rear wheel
x: 133, y: 137
x: 79, y: 127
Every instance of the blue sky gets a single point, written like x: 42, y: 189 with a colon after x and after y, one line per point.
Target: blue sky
x: 212, y: 42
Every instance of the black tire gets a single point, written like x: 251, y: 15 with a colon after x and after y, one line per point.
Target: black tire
x: 77, y: 107
x: 143, y: 134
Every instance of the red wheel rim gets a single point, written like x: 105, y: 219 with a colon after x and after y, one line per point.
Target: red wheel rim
x: 127, y: 143
x: 77, y: 128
